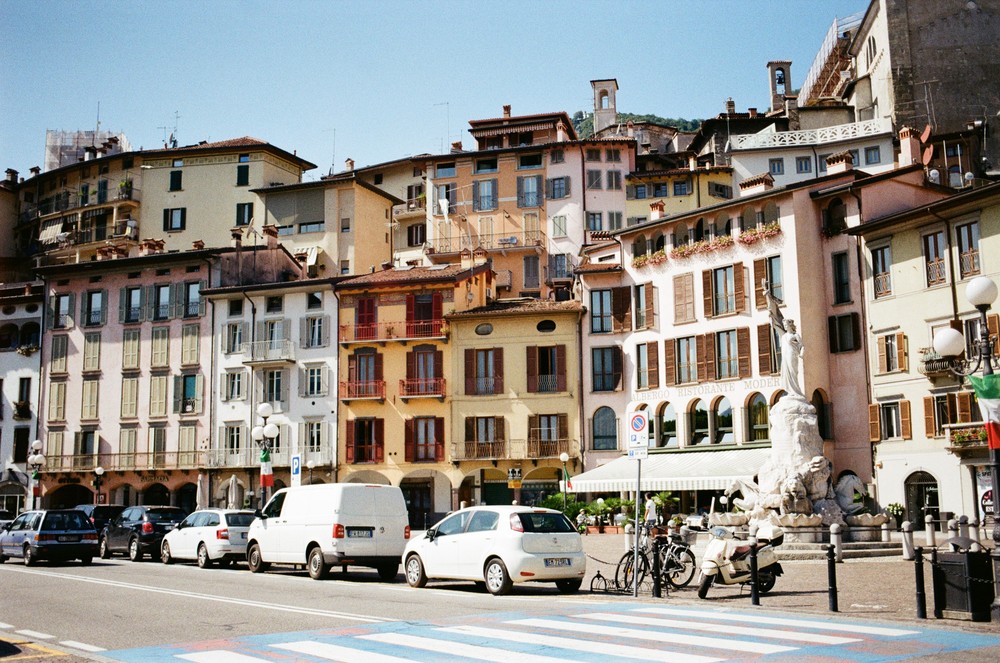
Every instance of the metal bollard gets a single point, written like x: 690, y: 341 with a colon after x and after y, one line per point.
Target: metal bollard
x: 975, y: 535
x: 886, y: 536
x: 929, y: 532
x: 836, y: 540
x: 657, y: 589
x: 831, y: 573
x: 907, y: 528
x: 963, y: 527
x: 754, y: 578
x: 918, y: 566
x: 939, y: 602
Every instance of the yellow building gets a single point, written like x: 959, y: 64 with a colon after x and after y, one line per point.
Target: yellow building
x: 654, y: 194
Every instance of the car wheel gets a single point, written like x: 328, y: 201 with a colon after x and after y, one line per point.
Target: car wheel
x: 204, y: 561
x: 255, y: 562
x: 165, y: 554
x: 414, y: 569
x: 704, y: 583
x: 3, y: 558
x: 103, y: 550
x: 134, y: 552
x: 387, y: 572
x: 317, y: 565
x: 498, y: 581
x: 569, y: 585
x: 29, y: 557
x: 86, y: 561
x: 765, y: 581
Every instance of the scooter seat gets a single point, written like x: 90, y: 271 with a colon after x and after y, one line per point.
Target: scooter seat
x: 741, y: 552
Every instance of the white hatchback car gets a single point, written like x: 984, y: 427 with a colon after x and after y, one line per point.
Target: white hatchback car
x: 499, y: 546
x: 208, y: 536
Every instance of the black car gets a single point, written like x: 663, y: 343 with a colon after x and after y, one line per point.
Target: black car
x: 52, y: 534
x: 101, y: 514
x: 139, y: 530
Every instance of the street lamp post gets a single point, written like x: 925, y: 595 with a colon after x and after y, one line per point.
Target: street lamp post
x: 564, y: 457
x: 311, y: 464
x: 264, y: 435
x: 981, y: 293
x: 98, y: 478
x: 36, y: 460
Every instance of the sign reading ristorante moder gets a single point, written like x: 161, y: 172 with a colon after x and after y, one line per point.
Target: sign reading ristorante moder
x: 708, y: 389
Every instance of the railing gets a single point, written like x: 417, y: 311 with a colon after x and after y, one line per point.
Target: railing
x: 511, y: 449
x: 969, y: 263
x: 249, y: 456
x: 883, y: 284
x: 837, y: 133
x: 966, y: 437
x: 932, y: 364
x: 264, y: 351
x: 494, y: 241
x: 473, y: 450
x: 368, y: 389
x: 398, y: 330
x: 139, y: 460
x: 484, y: 386
x: 422, y: 387
x: 537, y: 448
x: 70, y: 201
x: 936, y: 272
x: 548, y: 382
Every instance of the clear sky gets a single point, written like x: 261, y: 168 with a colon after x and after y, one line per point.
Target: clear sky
x: 378, y: 80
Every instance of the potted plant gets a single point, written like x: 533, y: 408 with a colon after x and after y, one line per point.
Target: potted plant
x: 896, y: 510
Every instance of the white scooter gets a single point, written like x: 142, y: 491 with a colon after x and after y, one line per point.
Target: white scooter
x: 727, y: 559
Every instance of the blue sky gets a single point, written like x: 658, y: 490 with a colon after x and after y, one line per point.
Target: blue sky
x: 378, y: 80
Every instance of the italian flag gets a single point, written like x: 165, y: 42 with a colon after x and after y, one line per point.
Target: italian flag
x: 266, y: 471
x: 988, y: 392
x: 569, y: 481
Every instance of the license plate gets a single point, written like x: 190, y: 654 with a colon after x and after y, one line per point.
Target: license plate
x: 359, y: 534
x: 557, y: 561
x: 243, y: 535
x: 68, y: 538
x: 168, y: 527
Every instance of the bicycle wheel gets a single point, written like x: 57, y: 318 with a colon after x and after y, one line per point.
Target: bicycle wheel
x: 680, y: 567
x: 625, y: 573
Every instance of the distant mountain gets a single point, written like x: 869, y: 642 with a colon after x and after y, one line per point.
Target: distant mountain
x: 584, y: 124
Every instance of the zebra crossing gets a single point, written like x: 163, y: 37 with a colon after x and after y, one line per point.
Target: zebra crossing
x: 597, y: 632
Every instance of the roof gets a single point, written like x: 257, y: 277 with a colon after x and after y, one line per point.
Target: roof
x: 330, y: 180
x: 131, y: 262
x: 598, y: 267
x: 447, y: 273
x: 521, y: 306
x: 248, y: 142
x: 971, y: 197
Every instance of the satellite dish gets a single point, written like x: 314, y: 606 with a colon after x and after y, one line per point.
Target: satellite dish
x: 927, y: 155
x: 934, y: 176
x: 926, y: 134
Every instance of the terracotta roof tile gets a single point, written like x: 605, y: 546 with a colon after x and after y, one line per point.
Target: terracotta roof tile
x: 397, y: 276
x: 524, y: 305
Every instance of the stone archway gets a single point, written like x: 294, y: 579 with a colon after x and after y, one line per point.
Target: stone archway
x: 156, y: 494
x: 428, y: 497
x: 187, y: 497
x: 68, y: 496
x: 921, y: 489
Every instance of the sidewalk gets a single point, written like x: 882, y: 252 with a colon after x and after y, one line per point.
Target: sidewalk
x: 880, y: 588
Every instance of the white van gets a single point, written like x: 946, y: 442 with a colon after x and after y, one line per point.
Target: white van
x: 331, y: 524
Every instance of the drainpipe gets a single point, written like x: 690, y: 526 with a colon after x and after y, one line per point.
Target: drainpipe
x: 253, y: 371
x: 336, y: 422
x: 951, y: 265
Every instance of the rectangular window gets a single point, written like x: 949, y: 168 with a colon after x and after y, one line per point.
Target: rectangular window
x: 160, y: 346
x: 234, y: 337
x: 529, y: 191
x: 234, y: 386
x: 486, y: 165
x: 873, y: 155
x: 641, y: 192
x: 192, y: 299
x: 96, y: 311
x: 486, y: 380
x: 158, y: 396
x: 315, y: 380
x: 606, y: 369
x: 425, y: 439
x: 63, y: 310
x: 803, y: 165
x: 601, y: 313
x: 312, y: 227
x: 345, y: 225
x: 775, y: 280
x: 614, y: 180
x: 557, y: 187
x: 559, y: 226
x: 776, y: 166
x: 841, y: 279
x: 595, y: 221
x: 60, y: 350
x: 614, y: 220
x: 244, y: 214
x: 660, y: 190
x: 642, y: 366
x: 233, y: 437
x: 445, y: 195
x: 934, y: 250
x: 822, y: 162
x: 132, y: 303
x: 416, y: 234
x: 639, y: 296
x: 687, y: 360
x: 314, y: 332
x: 592, y: 154
x: 365, y: 445
x: 161, y: 302
x: 593, y: 179
x: 526, y: 161
x: 891, y: 425
x: 723, y: 291
x: 881, y: 271
x: 968, y: 249
x: 243, y: 175
x: 484, y: 195
x: 190, y: 335
x: 187, y: 394
x: 274, y: 303
x: 174, y: 219
x: 532, y: 272
x: 726, y: 355
x: 444, y: 170
x: 176, y: 180
x: 557, y: 156
x: 613, y: 155
x: 88, y: 406
x: 130, y: 349
x: 845, y: 334
x: 314, y: 436
x: 274, y: 391
x: 92, y: 351
x: 682, y: 188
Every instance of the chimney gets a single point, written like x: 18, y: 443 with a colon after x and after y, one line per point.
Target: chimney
x: 756, y: 184
x: 909, y: 147
x: 692, y: 163
x: 349, y: 165
x: 237, y: 238
x: 271, y: 235
x: 730, y: 106
x: 35, y: 171
x: 456, y: 147
x: 479, y: 256
x: 11, y: 175
x: 752, y: 111
x: 840, y: 162
x: 656, y: 210
x: 630, y: 129
x: 561, y: 135
x: 506, y: 110
x: 465, y: 258
x: 197, y: 245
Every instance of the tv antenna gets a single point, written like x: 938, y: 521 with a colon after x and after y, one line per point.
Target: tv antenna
x: 447, y: 122
x: 172, y: 140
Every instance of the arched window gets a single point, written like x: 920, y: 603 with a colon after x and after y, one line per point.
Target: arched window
x: 668, y: 426
x: 835, y: 217
x: 723, y: 225
x: 777, y: 396
x: 771, y: 213
x: 605, y: 430
x: 605, y: 99
x: 722, y: 420
x: 30, y: 334
x: 8, y: 337
x: 699, y: 422
x: 822, y: 415
x: 748, y: 219
x: 659, y: 242
x: 757, y: 423
x: 699, y: 230
x: 639, y: 246
x: 680, y: 235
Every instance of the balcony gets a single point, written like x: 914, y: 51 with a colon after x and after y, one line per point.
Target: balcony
x: 362, y: 390
x: 422, y: 388
x: 491, y: 242
x: 472, y: 450
x: 484, y: 386
x: 22, y: 410
x: 381, y: 332
x: 967, y: 439
x: 530, y: 449
x: 883, y: 284
x: 126, y: 462
x: 280, y: 351
x: 934, y: 365
x: 249, y: 456
x: 808, y: 137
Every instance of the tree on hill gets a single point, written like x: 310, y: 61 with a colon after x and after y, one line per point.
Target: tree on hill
x: 584, y: 123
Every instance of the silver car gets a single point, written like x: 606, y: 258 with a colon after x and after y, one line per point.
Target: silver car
x: 208, y: 536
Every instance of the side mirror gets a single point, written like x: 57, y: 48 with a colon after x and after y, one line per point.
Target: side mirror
x: 431, y: 533
x: 259, y: 514
x: 6, y: 527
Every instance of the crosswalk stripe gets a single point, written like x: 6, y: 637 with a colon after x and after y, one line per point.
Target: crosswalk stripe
x: 610, y: 649
x: 333, y: 652
x: 83, y: 646
x: 658, y: 636
x: 6, y: 626
x: 780, y: 621
x: 221, y: 656
x: 458, y: 648
x: 777, y: 634
x: 35, y: 634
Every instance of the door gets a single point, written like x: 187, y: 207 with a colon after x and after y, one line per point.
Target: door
x: 921, y: 498
x: 418, y: 504
x: 272, y: 531
x: 443, y: 556
x: 120, y: 528
x: 366, y: 319
x: 183, y: 541
x: 478, y: 542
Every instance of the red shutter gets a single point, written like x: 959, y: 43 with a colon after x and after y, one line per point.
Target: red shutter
x: 532, y: 361
x: 409, y: 447
x: 743, y: 351
x: 470, y: 372
x: 439, y: 439
x: 764, y: 349
x: 378, y: 367
x: 437, y: 311
x: 439, y: 364
x: 669, y: 363
x: 349, y: 447
x: 379, y: 440
x: 411, y: 365
x: 470, y: 429
x: 561, y: 368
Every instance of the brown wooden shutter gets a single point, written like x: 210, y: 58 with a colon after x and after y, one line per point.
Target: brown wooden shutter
x: 874, y: 423
x: 993, y: 325
x: 963, y: 403
x: 882, y: 352
x: 743, y: 351
x: 759, y: 274
x: 764, y: 349
x: 561, y: 368
x: 562, y: 421
x: 378, y: 367
x: 904, y: 420
x: 702, y: 359
x: 409, y: 445
x: 617, y: 366
x: 929, y: 428
x: 470, y: 372
x: 621, y: 309
x: 352, y: 368
x: 669, y: 362
x: 901, y: 352
x: 710, y: 372
x: 439, y: 439
x: 501, y: 428
x: 411, y: 365
x: 531, y: 358
x: 470, y: 429
x: 739, y: 287
x: 349, y: 447
x: 653, y: 361
x: 498, y: 370
x: 533, y: 428
x: 379, y: 440
x: 650, y: 307
x: 706, y: 292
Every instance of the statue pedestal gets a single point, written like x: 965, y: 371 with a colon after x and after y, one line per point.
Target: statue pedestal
x: 858, y: 534
x: 806, y: 534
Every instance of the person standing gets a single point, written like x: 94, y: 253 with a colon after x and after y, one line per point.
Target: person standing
x: 651, y: 515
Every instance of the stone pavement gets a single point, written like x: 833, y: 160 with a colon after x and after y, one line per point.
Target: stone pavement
x: 882, y: 588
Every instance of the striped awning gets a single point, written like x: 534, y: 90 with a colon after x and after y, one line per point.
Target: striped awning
x: 682, y: 470
x: 50, y: 230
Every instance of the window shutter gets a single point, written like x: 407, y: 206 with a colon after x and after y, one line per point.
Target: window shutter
x: 304, y: 332
x: 520, y: 192
x: 831, y: 324
x: 739, y: 287
x: 325, y: 332
x: 378, y: 367
x: 349, y: 447
x: 437, y: 311
x: 72, y: 309
x: 951, y: 404
x: 303, y: 381
x: 409, y: 451
x: 498, y: 371
x: 882, y: 354
x: 379, y: 440
x: 567, y: 180
x: 963, y: 403
x: 874, y: 423
x: 411, y: 302
x: 702, y: 358
x: 561, y: 367
x: 532, y: 428
x: 706, y: 292
x: 929, y: 428
x: 470, y: 429
x: 650, y: 304
x: 904, y: 420
x: 759, y: 274
x: 439, y: 364
x: 439, y: 439
x: 764, y: 349
x: 122, y: 304
x: 562, y: 421
x: 166, y: 220
x: 901, y: 351
x: 178, y: 392
x: 548, y: 188
x: 669, y: 363
x: 621, y: 309
x: 855, y: 331
x: 199, y: 388
x: 475, y: 196
x: 184, y: 218
x: 501, y: 428
x: 202, y: 286
x: 531, y: 358
x: 743, y: 351
x: 470, y: 372
x: 993, y: 325
x: 617, y: 364
x: 411, y: 365
x: 630, y: 192
x: 710, y: 373
x: 653, y: 364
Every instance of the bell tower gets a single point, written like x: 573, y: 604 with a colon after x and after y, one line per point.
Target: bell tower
x: 605, y: 112
x: 780, y: 72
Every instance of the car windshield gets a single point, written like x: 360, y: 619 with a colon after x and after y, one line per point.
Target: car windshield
x: 545, y: 523
x: 239, y: 519
x: 164, y: 515
x: 66, y: 520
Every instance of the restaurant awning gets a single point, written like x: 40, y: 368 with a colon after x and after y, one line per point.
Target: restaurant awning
x: 684, y: 470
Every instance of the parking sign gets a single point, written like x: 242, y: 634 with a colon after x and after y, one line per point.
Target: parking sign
x: 296, y: 470
x: 637, y: 433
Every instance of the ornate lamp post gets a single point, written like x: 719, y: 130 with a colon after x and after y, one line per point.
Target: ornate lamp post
x: 98, y: 478
x: 981, y: 293
x: 36, y: 460
x: 264, y: 435
x: 564, y: 457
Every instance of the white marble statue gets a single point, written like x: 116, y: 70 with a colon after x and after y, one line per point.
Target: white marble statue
x: 791, y: 345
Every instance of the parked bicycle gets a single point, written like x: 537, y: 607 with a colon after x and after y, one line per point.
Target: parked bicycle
x: 677, y: 561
